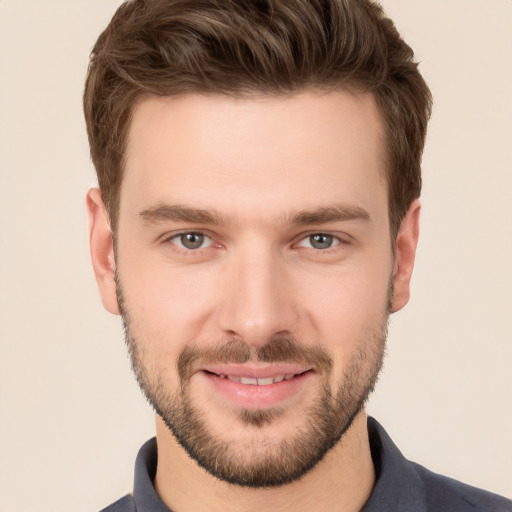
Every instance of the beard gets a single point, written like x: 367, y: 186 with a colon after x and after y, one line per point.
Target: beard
x: 262, y: 461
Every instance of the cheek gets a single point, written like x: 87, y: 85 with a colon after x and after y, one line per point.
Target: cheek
x: 347, y: 306
x: 164, y: 315
x: 167, y: 305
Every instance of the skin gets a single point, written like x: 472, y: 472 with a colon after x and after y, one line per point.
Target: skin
x: 256, y: 162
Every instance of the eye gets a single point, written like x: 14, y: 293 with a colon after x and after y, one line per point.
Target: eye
x: 320, y: 241
x: 191, y: 240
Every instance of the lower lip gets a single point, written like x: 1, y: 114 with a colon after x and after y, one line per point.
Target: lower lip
x: 251, y: 396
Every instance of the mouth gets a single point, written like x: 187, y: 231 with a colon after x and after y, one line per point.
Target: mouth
x: 258, y: 381
x: 254, y: 387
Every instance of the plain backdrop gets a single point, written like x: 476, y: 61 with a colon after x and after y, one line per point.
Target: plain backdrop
x: 71, y: 416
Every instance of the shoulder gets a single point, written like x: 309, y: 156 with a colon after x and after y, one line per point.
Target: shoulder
x: 443, y: 493
x: 404, y: 486
x: 125, y: 504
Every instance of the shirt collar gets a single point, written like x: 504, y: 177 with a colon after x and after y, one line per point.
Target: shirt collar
x: 398, y: 487
x: 144, y: 493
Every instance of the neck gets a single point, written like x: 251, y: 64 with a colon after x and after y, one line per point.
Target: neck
x: 342, y: 481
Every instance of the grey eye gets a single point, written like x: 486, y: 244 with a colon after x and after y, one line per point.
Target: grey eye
x: 321, y: 241
x: 191, y: 240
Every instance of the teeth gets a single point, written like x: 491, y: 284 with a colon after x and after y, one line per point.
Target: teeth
x: 249, y: 380
x: 253, y: 381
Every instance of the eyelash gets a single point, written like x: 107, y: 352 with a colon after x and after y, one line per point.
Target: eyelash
x: 303, y: 237
x: 337, y: 241
x: 185, y: 250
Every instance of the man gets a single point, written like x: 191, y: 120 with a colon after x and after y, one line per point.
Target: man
x: 256, y: 224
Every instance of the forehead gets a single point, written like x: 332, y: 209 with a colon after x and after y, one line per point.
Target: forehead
x: 245, y: 154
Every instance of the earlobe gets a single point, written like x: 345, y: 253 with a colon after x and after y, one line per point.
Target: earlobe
x: 406, y: 243
x: 102, y: 250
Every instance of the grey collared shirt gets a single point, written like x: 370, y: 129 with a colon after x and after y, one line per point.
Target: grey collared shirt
x: 402, y: 486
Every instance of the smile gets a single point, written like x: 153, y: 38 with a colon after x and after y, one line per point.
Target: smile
x: 264, y: 381
x: 257, y: 386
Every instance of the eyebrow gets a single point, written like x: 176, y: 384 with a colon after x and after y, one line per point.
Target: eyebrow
x: 329, y: 214
x: 166, y: 213
x: 173, y: 213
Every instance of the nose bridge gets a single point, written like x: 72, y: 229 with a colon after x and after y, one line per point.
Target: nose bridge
x: 257, y: 303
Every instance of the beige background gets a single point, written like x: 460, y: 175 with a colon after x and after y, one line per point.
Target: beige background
x: 71, y: 417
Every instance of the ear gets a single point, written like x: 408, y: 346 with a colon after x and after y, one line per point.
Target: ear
x: 102, y: 250
x: 406, y: 242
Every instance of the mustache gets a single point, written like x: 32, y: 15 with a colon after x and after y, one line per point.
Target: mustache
x: 237, y: 351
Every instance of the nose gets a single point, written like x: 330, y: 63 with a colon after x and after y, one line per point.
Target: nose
x: 257, y: 301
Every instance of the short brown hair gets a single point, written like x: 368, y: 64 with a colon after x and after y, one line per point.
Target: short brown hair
x: 238, y: 47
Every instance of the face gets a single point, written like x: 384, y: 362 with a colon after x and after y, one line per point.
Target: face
x: 254, y: 271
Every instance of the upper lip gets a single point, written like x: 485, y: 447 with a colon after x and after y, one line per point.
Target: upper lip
x: 256, y: 371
